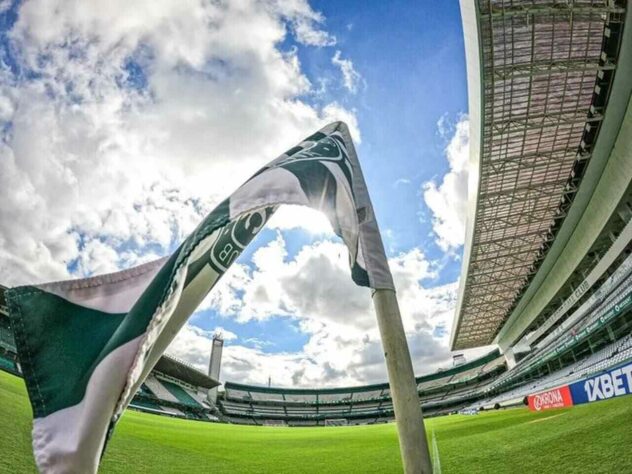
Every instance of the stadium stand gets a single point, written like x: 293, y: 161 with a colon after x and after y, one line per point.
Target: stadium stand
x: 439, y: 392
x: 6, y: 335
x: 146, y: 399
x: 8, y: 365
x: 159, y: 389
x: 165, y: 394
x: 611, y: 356
x: 547, y: 267
x: 181, y: 394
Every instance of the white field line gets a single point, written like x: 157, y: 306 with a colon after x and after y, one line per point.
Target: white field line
x: 436, y: 462
x: 545, y: 418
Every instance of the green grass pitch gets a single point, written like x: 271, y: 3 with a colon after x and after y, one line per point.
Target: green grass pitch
x: 593, y: 438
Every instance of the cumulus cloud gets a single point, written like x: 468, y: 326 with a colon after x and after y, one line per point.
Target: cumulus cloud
x: 193, y: 345
x: 301, y: 217
x: 315, y: 290
x: 350, y: 77
x: 447, y: 199
x: 305, y: 23
x: 401, y: 182
x: 119, y: 132
x: 334, y: 111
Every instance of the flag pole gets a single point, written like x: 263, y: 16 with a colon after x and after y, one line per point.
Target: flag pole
x: 413, y: 445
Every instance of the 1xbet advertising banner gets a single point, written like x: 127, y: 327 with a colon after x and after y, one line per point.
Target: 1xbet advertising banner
x: 610, y: 384
x: 556, y: 398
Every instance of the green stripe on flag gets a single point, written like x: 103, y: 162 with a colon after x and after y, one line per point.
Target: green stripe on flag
x: 59, y: 344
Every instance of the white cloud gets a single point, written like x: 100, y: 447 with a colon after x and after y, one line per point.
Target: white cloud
x: 315, y: 291
x: 314, y: 288
x: 445, y: 127
x: 401, y: 181
x: 301, y: 217
x: 225, y: 333
x: 333, y: 112
x: 193, y: 345
x: 252, y: 365
x: 128, y: 128
x: 448, y: 199
x: 350, y: 77
x: 304, y: 21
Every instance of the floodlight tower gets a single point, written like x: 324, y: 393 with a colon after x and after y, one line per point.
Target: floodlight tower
x: 215, y: 364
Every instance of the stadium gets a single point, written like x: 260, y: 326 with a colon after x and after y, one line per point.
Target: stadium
x: 546, y: 283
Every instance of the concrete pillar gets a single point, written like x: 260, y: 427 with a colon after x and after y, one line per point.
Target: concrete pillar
x: 510, y: 358
x: 215, y: 365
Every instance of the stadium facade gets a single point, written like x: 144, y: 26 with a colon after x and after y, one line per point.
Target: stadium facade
x: 549, y: 85
x: 547, y: 267
x: 439, y: 393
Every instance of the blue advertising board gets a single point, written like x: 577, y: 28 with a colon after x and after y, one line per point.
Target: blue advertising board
x: 608, y: 384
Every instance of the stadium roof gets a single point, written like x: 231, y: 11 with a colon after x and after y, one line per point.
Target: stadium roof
x: 539, y: 74
x: 177, y: 369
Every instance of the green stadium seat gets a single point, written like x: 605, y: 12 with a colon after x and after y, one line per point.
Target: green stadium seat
x: 7, y: 365
x: 181, y: 394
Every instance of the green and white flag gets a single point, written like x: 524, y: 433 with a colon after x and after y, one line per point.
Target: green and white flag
x: 85, y: 346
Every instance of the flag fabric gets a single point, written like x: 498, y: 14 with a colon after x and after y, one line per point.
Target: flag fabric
x: 85, y: 346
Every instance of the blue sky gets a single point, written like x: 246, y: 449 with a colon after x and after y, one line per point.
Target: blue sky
x: 411, y: 58
x: 121, y: 131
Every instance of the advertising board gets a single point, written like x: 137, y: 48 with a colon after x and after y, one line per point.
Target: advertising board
x: 559, y: 397
x: 608, y: 384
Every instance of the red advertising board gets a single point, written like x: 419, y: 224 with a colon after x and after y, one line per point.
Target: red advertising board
x: 556, y: 398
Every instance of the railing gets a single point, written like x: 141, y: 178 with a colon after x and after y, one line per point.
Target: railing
x: 610, y: 309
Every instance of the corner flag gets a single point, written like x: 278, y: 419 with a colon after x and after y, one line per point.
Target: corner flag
x: 85, y: 346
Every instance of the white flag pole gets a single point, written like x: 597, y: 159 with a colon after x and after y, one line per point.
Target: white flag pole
x: 410, y: 424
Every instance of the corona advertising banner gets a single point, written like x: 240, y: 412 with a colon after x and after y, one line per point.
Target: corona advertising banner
x: 559, y: 397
